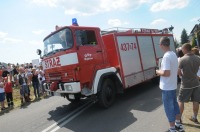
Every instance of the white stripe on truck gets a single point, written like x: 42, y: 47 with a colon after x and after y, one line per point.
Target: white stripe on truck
x: 63, y: 60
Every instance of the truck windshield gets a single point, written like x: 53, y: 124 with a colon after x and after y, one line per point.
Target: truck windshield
x: 61, y: 40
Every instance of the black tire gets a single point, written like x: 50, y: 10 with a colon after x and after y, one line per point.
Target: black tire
x: 156, y: 80
x: 76, y: 100
x: 107, y: 94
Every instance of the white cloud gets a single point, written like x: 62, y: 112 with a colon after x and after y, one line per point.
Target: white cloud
x: 5, y: 39
x: 35, y: 42
x: 51, y: 3
x: 91, y: 7
x: 38, y: 32
x: 168, y: 5
x: 76, y: 12
x: 116, y: 22
x: 3, y: 35
x: 158, y: 21
x: 195, y: 19
x: 11, y: 40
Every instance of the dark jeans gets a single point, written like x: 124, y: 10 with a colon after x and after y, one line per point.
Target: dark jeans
x: 9, y: 98
x: 36, y: 89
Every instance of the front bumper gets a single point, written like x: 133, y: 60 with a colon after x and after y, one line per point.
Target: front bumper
x: 71, y: 88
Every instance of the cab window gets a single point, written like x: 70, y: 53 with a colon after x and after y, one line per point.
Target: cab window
x: 85, y: 37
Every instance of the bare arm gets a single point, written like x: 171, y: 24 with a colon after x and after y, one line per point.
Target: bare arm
x: 164, y: 73
x: 179, y: 72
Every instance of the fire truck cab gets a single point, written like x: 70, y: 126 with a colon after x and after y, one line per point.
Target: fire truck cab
x: 84, y: 61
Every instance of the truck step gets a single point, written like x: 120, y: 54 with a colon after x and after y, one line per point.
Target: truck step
x: 86, y: 92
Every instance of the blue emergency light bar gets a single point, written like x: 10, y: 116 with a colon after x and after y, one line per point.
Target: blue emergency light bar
x: 74, y: 22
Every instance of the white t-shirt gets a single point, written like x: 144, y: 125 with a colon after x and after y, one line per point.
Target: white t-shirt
x: 40, y: 76
x: 169, y: 62
x: 2, y: 90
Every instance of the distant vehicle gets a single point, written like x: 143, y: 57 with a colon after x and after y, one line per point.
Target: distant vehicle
x: 84, y: 61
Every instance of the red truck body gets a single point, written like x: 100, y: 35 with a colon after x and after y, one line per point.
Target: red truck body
x: 84, y: 61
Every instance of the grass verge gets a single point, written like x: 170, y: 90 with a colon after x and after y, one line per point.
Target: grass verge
x: 17, y: 101
x: 189, y: 125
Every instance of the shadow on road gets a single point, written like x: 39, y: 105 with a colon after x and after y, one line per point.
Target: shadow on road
x: 191, y: 125
x: 63, y: 110
x: 144, y: 97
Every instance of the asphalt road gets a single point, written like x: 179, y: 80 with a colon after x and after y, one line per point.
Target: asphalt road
x: 139, y: 109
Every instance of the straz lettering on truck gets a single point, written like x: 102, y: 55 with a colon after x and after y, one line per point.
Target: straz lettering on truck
x: 52, y: 62
x: 128, y: 46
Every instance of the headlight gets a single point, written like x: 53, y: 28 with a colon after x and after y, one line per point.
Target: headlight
x: 60, y: 87
x: 68, y: 87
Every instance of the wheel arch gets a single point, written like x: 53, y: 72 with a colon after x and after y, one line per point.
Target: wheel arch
x: 110, y: 73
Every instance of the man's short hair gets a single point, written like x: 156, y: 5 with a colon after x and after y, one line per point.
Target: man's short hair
x: 187, y: 47
x: 165, y: 41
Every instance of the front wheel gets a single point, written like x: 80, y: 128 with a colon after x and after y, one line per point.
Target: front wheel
x: 106, y: 95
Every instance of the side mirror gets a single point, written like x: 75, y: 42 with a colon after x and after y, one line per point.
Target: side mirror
x: 39, y: 51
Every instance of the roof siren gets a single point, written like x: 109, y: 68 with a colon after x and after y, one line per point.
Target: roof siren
x: 74, y: 22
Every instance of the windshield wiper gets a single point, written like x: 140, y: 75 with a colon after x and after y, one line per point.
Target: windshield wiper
x: 54, y: 51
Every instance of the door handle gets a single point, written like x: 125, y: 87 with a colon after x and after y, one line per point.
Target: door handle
x: 98, y: 51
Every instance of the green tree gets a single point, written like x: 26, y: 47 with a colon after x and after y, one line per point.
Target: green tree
x: 194, y: 42
x: 184, y: 36
x: 198, y: 38
x: 176, y: 43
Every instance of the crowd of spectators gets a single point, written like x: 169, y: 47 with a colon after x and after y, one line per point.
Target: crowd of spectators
x: 22, y: 76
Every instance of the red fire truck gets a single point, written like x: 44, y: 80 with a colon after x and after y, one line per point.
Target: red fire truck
x: 85, y: 61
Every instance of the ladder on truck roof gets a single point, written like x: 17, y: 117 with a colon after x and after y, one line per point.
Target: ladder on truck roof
x: 136, y: 30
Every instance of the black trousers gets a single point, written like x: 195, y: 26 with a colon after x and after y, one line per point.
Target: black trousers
x: 9, y: 98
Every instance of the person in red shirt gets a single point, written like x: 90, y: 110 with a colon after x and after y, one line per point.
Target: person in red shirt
x: 8, y: 91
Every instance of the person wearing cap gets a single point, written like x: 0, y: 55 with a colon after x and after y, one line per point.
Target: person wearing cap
x: 8, y: 92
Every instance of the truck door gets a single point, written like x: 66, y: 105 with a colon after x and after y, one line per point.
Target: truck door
x: 89, y: 53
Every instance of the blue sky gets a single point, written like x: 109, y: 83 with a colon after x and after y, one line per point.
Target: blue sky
x: 25, y: 23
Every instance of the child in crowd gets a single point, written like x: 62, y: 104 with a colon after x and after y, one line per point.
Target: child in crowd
x: 8, y: 91
x: 2, y: 96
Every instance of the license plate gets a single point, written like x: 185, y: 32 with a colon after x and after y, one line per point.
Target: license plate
x: 71, y: 96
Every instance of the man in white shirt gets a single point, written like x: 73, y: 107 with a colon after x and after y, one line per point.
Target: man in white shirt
x: 168, y: 85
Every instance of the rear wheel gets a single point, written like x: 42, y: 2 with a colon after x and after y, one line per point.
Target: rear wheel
x: 106, y: 95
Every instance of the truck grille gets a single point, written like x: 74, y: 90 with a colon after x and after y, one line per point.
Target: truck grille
x: 64, y: 76
x: 55, y: 76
